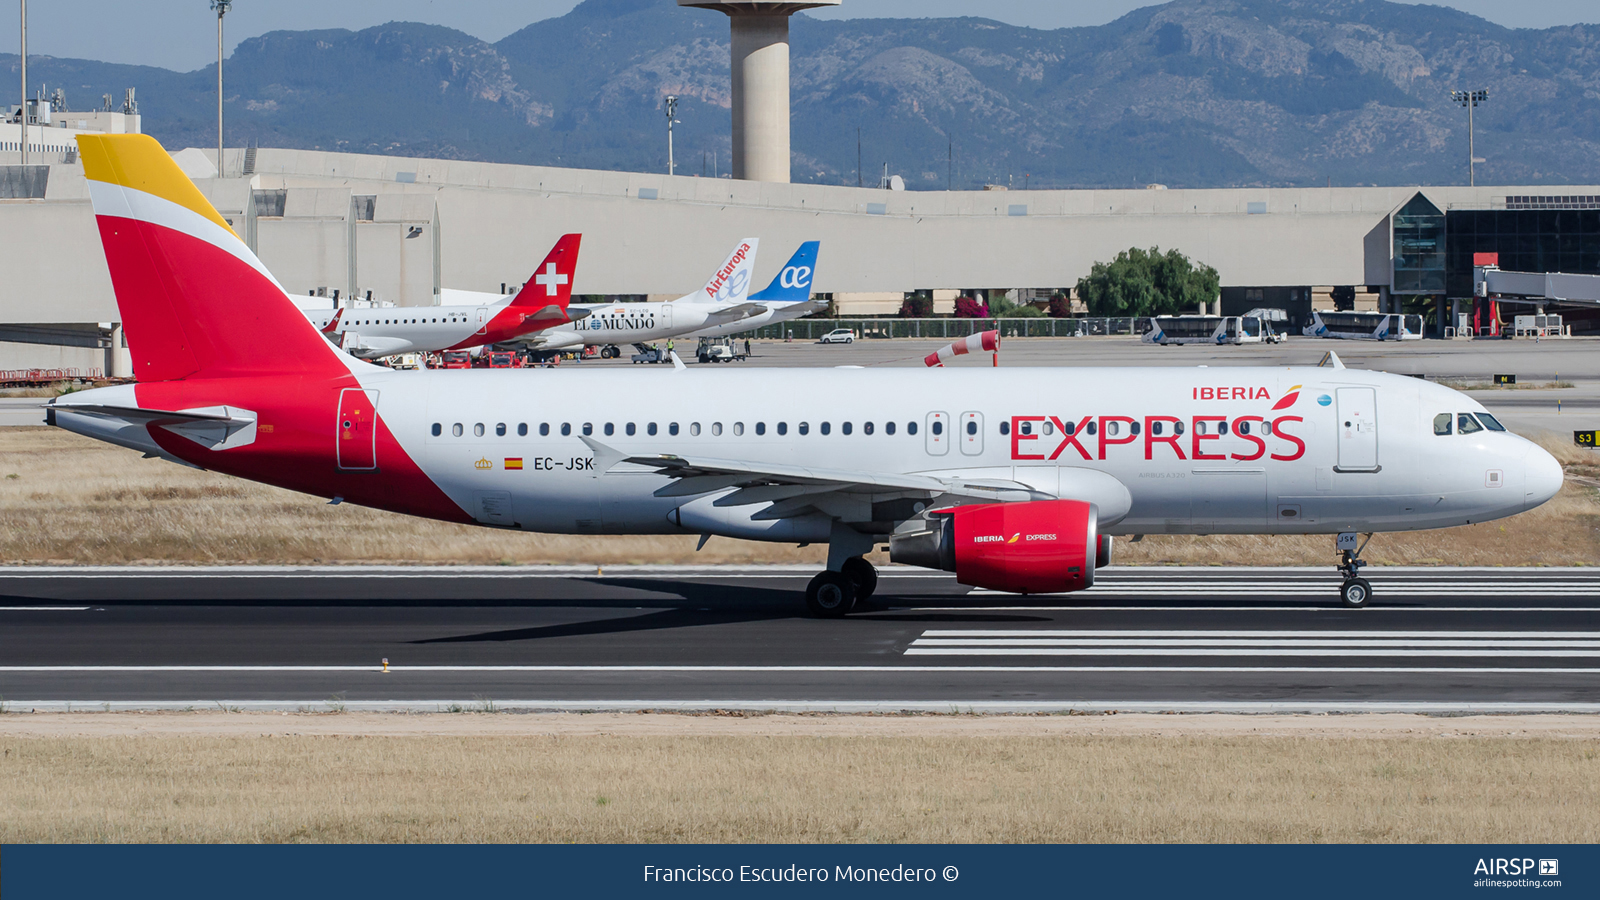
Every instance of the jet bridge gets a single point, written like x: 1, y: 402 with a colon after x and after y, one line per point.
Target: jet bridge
x: 1536, y: 287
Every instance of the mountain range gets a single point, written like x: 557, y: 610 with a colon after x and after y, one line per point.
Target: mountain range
x: 1193, y: 93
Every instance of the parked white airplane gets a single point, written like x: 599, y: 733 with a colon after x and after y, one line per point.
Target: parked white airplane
x: 606, y: 325
x: 1012, y: 478
x: 787, y: 297
x: 484, y: 319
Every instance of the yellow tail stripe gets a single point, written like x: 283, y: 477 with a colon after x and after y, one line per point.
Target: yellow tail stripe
x: 138, y: 161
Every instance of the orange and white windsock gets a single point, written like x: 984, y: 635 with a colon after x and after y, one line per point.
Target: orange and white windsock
x: 983, y: 341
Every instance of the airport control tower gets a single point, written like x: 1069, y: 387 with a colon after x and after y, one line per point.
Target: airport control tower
x: 760, y: 51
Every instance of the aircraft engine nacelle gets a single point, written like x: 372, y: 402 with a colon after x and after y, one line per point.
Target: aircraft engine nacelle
x: 1035, y: 547
x: 556, y: 340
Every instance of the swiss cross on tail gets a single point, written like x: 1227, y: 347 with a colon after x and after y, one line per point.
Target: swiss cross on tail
x: 548, y: 292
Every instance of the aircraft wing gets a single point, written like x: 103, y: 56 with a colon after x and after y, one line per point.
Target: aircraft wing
x: 734, y: 313
x: 791, y: 490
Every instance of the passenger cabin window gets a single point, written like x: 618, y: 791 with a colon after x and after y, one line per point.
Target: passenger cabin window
x: 1442, y: 423
x: 566, y: 429
x: 500, y: 429
x: 783, y: 428
x: 650, y: 429
x: 845, y: 428
x: 888, y: 428
x: 1133, y: 427
x: 1266, y: 427
x: 544, y: 429
x: 866, y: 427
x: 1023, y: 427
x: 522, y: 429
x: 672, y: 429
x: 972, y: 427
x: 1466, y: 424
x: 716, y: 429
x: 629, y: 429
x: 1112, y: 428
x: 588, y: 428
x: 1177, y: 428
x: 694, y: 429
x: 456, y: 429
x: 761, y: 428
x: 738, y: 429
x: 437, y: 429
x: 911, y: 428
x: 938, y: 428
x: 805, y: 428
x: 826, y: 427
x: 1049, y: 427
x: 477, y: 430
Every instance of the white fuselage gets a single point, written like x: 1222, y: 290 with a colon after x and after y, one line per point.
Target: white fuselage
x: 1387, y: 471
x: 637, y: 323
x: 378, y: 332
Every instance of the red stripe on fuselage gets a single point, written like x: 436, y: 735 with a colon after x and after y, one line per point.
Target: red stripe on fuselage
x: 296, y: 433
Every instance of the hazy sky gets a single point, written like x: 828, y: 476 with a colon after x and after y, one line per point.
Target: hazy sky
x: 181, y: 34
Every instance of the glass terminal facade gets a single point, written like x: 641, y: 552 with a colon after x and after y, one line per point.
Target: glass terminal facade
x: 1558, y: 239
x: 1419, y: 245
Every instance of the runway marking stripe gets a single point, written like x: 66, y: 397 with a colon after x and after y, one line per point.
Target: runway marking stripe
x: 1252, y: 608
x: 1217, y: 633
x: 1240, y: 642
x: 1236, y: 651
x: 1369, y: 670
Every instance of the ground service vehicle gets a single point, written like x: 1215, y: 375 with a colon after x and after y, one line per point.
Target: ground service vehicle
x: 457, y: 359
x: 1364, y: 326
x: 715, y: 350
x: 1015, y: 479
x: 838, y: 336
x: 1207, y: 330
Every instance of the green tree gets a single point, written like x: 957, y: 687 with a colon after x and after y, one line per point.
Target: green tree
x: 1148, y: 283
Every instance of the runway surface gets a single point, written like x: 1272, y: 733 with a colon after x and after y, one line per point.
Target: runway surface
x: 638, y: 637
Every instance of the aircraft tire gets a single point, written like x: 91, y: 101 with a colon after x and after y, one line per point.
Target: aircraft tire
x: 1355, y: 593
x: 830, y: 595
x: 863, y: 573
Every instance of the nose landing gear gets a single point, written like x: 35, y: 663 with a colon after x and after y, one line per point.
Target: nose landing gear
x: 1356, y: 591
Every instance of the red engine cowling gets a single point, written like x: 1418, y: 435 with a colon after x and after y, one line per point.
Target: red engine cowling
x: 1039, y: 547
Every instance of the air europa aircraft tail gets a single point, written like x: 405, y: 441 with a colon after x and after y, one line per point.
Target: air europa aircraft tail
x: 194, y: 300
x: 732, y: 281
x: 793, y: 282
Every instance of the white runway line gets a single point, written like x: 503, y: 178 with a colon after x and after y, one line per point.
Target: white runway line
x: 889, y: 707
x: 1253, y: 644
x: 917, y: 669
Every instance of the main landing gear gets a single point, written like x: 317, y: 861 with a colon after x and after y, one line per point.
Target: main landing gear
x: 831, y: 595
x: 1356, y: 591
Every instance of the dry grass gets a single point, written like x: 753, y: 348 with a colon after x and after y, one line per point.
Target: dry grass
x: 611, y: 788
x: 69, y: 499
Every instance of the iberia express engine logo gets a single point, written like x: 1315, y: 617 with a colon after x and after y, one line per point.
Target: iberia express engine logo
x: 1243, y: 438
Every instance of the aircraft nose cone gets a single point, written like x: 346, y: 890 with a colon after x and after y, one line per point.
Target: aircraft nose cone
x: 1542, y: 476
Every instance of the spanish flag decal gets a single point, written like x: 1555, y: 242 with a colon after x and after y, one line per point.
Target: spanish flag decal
x: 513, y: 462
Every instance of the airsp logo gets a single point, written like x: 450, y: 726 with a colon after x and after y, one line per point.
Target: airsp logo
x: 796, y: 277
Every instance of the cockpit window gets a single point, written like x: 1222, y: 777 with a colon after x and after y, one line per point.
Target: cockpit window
x: 1490, y: 422
x: 1443, y: 423
x: 1467, y: 424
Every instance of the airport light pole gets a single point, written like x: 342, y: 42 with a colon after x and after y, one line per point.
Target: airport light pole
x: 22, y: 114
x: 672, y: 112
x: 221, y: 8
x: 1470, y: 99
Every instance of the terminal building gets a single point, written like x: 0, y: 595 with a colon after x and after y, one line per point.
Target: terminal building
x: 393, y: 230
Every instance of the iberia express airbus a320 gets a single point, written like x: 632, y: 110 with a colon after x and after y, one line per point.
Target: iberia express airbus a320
x: 1012, y: 478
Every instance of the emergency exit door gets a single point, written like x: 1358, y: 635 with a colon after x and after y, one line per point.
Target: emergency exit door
x: 356, y: 434
x: 937, y: 431
x: 483, y: 320
x: 1358, y: 429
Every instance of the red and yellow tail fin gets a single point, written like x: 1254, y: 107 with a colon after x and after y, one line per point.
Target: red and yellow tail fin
x: 195, y: 301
